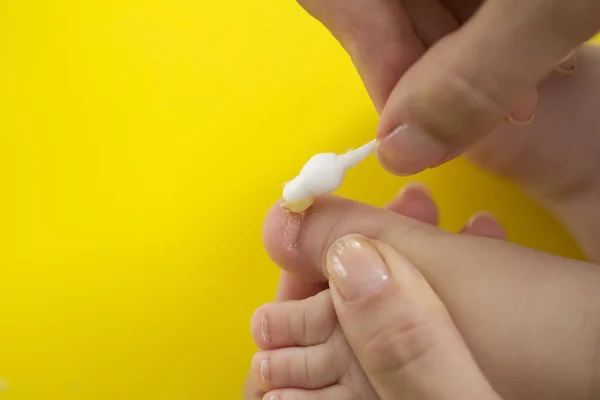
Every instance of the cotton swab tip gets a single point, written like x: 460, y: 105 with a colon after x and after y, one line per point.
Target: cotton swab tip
x: 322, y: 174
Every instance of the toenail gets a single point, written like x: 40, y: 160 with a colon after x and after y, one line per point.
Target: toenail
x: 264, y: 329
x: 274, y: 398
x: 291, y: 231
x: 264, y: 371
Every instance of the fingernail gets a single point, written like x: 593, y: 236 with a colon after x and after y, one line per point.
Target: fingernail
x: 568, y: 64
x: 356, y: 268
x: 407, y: 150
x: 524, y: 113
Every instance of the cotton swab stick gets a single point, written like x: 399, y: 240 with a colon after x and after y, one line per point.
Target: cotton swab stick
x: 321, y: 175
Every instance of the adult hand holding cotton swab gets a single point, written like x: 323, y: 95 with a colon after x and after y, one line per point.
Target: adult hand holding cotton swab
x: 322, y: 174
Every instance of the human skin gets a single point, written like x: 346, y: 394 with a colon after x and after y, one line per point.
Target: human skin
x: 530, y: 319
x: 534, y: 156
x: 553, y: 158
x: 449, y: 72
x: 414, y: 201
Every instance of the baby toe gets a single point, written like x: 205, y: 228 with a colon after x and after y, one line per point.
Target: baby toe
x: 303, y: 323
x: 335, y: 392
x: 313, y: 367
x: 485, y: 225
x: 328, y: 220
x: 415, y: 201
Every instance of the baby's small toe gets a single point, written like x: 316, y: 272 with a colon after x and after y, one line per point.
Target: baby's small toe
x: 304, y: 323
x: 335, y: 392
x: 313, y: 367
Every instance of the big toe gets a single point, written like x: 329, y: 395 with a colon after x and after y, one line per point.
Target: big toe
x: 299, y: 244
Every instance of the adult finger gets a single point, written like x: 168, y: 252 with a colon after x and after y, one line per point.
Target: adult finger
x: 397, y: 326
x: 432, y: 20
x: 470, y: 81
x: 377, y: 34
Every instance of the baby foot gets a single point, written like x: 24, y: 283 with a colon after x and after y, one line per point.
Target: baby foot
x: 305, y: 354
x: 490, y: 287
x: 415, y: 202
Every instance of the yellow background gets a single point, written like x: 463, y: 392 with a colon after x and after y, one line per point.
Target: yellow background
x: 135, y: 171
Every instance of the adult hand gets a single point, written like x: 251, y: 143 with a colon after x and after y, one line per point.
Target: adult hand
x: 466, y: 65
x: 398, y: 328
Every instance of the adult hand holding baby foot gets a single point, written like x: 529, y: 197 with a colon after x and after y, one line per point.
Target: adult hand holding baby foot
x: 414, y: 201
x: 445, y: 73
x: 460, y: 84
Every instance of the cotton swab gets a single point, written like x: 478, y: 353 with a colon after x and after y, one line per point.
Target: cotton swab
x: 321, y: 175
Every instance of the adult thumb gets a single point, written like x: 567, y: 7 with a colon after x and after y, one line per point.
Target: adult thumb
x: 478, y: 77
x: 398, y: 328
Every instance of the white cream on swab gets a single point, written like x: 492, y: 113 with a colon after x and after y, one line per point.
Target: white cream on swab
x: 321, y: 175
